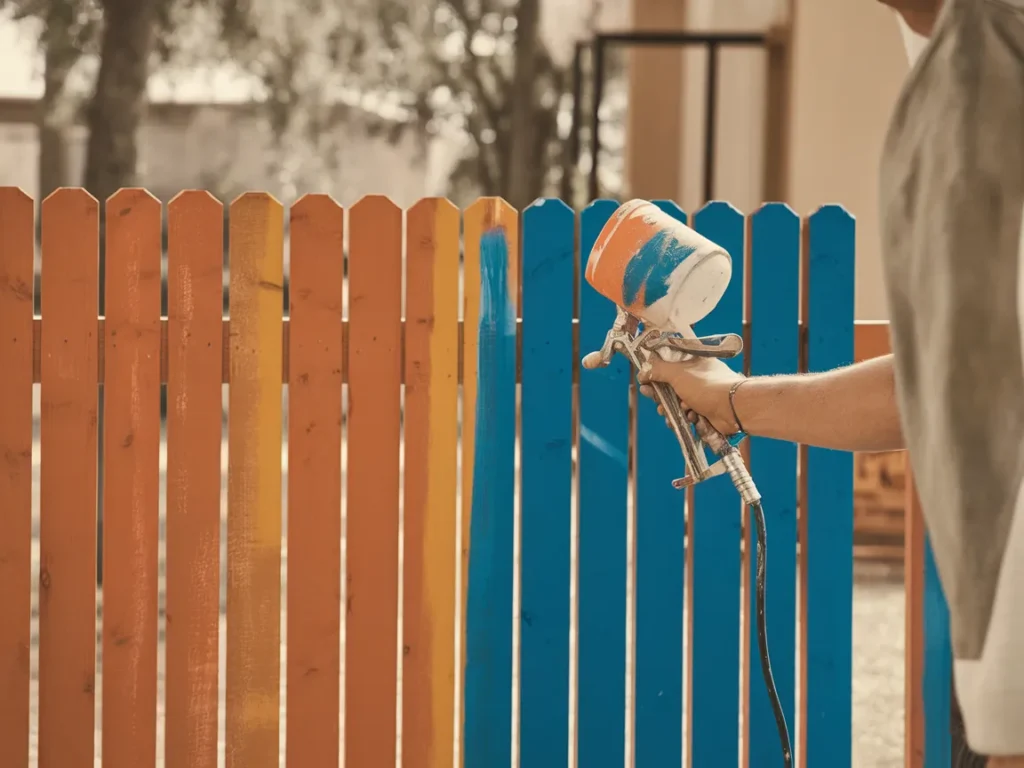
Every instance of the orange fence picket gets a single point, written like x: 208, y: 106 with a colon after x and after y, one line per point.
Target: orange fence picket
x: 131, y: 450
x: 374, y: 392
x: 431, y: 451
x: 67, y: 502
x: 254, y: 483
x: 16, y: 278
x: 314, y: 482
x: 195, y: 269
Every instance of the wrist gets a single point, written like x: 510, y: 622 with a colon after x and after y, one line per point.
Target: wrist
x: 744, y: 405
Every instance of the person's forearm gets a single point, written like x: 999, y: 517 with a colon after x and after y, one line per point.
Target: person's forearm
x: 851, y: 409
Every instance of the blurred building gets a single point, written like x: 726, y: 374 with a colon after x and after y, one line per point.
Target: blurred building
x: 803, y: 124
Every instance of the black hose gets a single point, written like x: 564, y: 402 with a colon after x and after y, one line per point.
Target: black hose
x: 762, y: 636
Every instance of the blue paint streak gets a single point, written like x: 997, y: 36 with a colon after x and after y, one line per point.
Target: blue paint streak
x: 651, y: 267
x: 660, y: 560
x: 547, y: 426
x: 590, y: 437
x: 604, y: 407
x: 938, y: 653
x: 716, y: 541
x: 774, y: 349
x: 488, y: 680
x: 829, y: 545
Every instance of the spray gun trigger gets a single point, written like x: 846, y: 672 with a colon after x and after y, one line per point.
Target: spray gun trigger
x: 721, y: 345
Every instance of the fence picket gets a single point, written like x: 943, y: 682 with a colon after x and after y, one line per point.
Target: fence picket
x: 827, y: 543
x: 774, y: 349
x: 314, y: 483
x: 603, y: 463
x: 660, y: 560
x: 131, y: 487
x: 827, y: 535
x: 431, y: 478
x: 68, y: 458
x: 195, y: 272
x: 488, y: 455
x: 17, y: 240
x: 254, y: 483
x: 374, y: 398
x: 714, y: 536
x: 547, y: 433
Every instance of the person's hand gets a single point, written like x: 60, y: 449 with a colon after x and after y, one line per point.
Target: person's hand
x: 702, y: 385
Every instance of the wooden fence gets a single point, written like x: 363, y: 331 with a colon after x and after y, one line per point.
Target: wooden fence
x: 520, y: 582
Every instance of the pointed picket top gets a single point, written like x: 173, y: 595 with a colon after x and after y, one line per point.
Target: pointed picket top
x: 314, y: 206
x: 196, y: 202
x: 672, y: 208
x: 69, y: 200
x: 491, y: 212
x: 773, y: 209
x: 376, y: 203
x: 716, y: 211
x: 129, y: 199
x: 252, y: 198
x: 436, y: 205
x: 547, y: 205
x: 833, y: 213
x: 193, y: 196
x: 600, y: 205
x: 11, y: 197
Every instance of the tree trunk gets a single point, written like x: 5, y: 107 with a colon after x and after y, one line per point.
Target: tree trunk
x: 58, y: 107
x: 521, y: 178
x: 118, y: 104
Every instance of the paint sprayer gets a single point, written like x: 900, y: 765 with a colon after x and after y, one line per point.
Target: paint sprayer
x: 664, y: 278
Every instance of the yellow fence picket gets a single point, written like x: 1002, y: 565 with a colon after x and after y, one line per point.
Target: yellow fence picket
x: 195, y: 270
x: 431, y: 450
x: 314, y: 482
x: 67, y: 502
x: 254, y: 483
x: 374, y: 397
x: 17, y: 237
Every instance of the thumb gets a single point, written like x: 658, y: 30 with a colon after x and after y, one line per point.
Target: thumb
x: 657, y: 369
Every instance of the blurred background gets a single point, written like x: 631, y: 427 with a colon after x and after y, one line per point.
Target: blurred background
x: 741, y: 100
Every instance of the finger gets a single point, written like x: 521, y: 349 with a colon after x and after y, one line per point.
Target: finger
x: 661, y: 410
x: 647, y: 390
x: 692, y: 416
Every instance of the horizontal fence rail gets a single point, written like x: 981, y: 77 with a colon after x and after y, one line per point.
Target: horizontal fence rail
x: 454, y: 567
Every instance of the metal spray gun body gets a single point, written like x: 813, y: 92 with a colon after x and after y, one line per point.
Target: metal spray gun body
x: 665, y: 277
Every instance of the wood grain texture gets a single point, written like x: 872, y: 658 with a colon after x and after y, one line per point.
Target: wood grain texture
x: 17, y: 245
x: 827, y: 546
x: 314, y: 483
x: 914, y: 656
x: 375, y: 374
x: 431, y: 455
x: 254, y: 483
x: 68, y: 448
x: 195, y: 259
x: 488, y: 467
x: 546, y: 463
x: 603, y: 488
x: 131, y: 466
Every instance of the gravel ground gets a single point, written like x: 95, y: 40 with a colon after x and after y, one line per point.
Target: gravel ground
x: 877, y: 664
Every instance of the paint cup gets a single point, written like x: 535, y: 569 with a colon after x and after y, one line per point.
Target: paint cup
x: 657, y: 268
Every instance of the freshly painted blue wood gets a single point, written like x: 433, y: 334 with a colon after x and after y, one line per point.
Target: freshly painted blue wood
x: 660, y: 532
x: 715, y: 676
x: 829, y: 546
x: 488, y: 682
x: 604, y: 440
x: 938, y: 653
x: 774, y: 349
x: 549, y: 242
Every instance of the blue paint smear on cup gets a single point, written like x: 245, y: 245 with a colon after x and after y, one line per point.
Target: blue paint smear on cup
x: 652, y: 266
